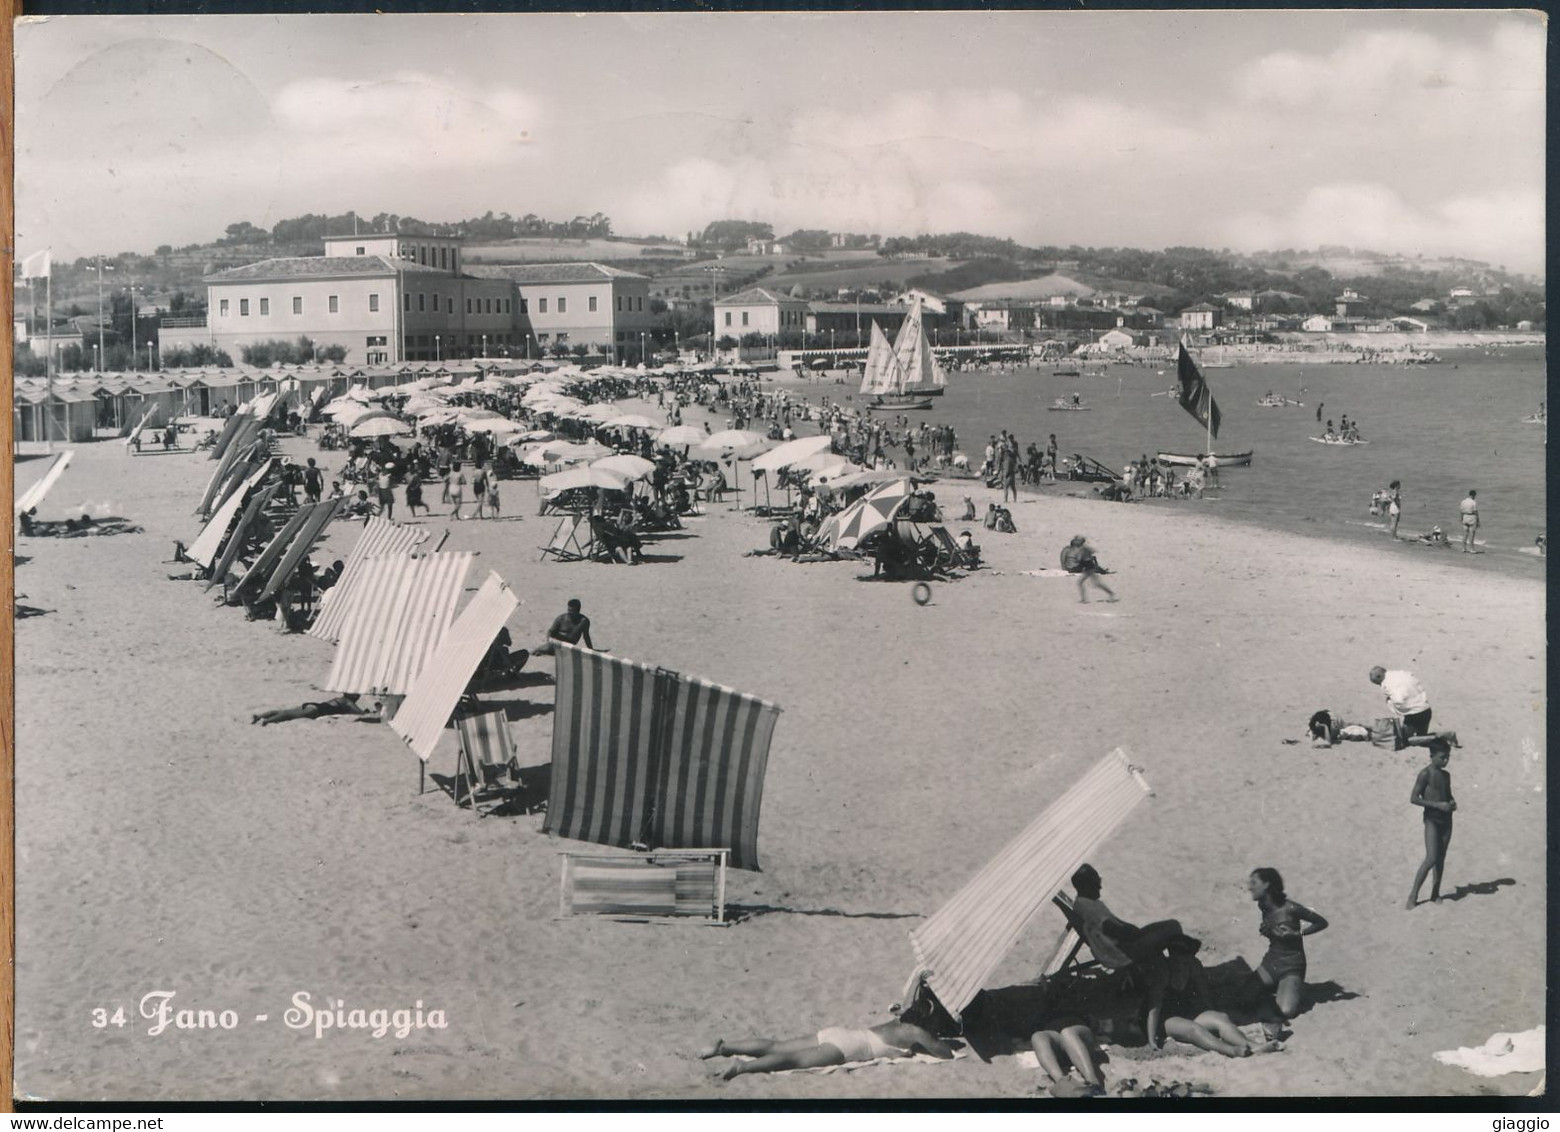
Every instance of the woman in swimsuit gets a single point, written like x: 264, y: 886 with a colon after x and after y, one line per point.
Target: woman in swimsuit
x: 835, y: 1045
x: 1284, y: 922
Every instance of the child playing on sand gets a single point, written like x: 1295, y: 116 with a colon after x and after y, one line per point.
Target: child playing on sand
x: 1433, y: 792
x: 1285, y: 923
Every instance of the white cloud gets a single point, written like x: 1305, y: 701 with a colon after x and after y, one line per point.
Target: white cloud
x: 1505, y: 226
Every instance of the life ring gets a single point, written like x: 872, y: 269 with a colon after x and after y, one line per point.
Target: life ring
x: 921, y: 594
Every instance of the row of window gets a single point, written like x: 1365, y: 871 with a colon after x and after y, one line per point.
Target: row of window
x: 332, y: 303
x: 432, y: 340
x: 446, y: 258
x: 787, y: 318
x: 474, y: 305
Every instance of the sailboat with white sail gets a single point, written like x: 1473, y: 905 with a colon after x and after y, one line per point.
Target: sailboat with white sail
x: 924, y: 375
x: 885, y: 378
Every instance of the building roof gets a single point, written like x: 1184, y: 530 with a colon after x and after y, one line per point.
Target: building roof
x: 551, y: 272
x: 304, y: 267
x: 1200, y: 307
x: 755, y: 296
x: 864, y: 308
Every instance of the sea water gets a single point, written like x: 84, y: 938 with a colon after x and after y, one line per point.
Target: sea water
x: 1440, y: 429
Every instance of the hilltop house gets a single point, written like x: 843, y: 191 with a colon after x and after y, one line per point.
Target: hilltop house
x: 1350, y: 303
x: 1200, y: 316
x: 1317, y: 324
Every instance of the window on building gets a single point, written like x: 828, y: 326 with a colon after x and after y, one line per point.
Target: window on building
x: 373, y: 302
x: 728, y: 318
x: 541, y: 306
x: 243, y: 308
x: 744, y: 318
x: 361, y: 250
x: 641, y: 306
x: 422, y: 255
x: 509, y: 306
x: 421, y: 305
x: 593, y: 304
x: 620, y: 304
x: 525, y: 306
x: 468, y: 304
x: 449, y: 306
x: 265, y: 306
x: 542, y: 337
x: 408, y: 302
x: 333, y: 304
x: 563, y: 305
x: 223, y: 307
x: 297, y: 304
x: 377, y: 340
x: 563, y: 338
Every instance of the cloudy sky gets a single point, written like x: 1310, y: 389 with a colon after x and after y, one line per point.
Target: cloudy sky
x: 1418, y: 132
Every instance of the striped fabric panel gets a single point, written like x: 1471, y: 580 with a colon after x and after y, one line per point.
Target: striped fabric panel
x: 380, y: 536
x: 428, y: 706
x: 601, y: 748
x: 696, y: 888
x: 34, y: 495
x: 277, y: 546
x: 486, y: 738
x: 225, y: 437
x: 965, y: 940
x: 140, y: 425
x: 402, y: 611
x: 239, y: 443
x: 715, y: 749
x: 308, y: 534
x: 204, y: 549
x: 235, y: 540
x: 627, y: 886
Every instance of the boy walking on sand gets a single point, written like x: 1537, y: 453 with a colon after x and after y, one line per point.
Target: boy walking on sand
x: 1470, y: 522
x: 1433, y: 792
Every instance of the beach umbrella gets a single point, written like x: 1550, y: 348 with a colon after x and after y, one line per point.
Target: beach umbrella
x: 601, y: 414
x: 499, y: 427
x: 379, y: 424
x: 343, y: 408
x: 855, y: 477
x: 872, y: 512
x: 732, y: 440
x: 792, y: 452
x: 832, y: 472
x: 536, y: 435
x: 563, y: 452
x: 583, y: 477
x: 634, y: 467
x: 469, y: 415
x: 680, y: 436
x: 634, y: 420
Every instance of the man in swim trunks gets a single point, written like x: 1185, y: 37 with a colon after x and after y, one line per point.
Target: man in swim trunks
x: 1470, y: 521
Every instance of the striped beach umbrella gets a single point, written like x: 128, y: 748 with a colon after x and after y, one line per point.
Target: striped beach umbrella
x: 872, y: 512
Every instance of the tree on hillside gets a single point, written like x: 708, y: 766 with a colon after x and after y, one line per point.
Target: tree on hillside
x: 732, y: 234
x: 244, y: 232
x: 810, y: 240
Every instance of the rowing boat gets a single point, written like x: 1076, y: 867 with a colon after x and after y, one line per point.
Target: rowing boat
x: 1192, y: 459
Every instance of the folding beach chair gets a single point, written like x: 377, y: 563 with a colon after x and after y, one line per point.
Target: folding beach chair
x: 1064, y: 961
x: 487, y: 757
x: 565, y: 543
x: 666, y: 882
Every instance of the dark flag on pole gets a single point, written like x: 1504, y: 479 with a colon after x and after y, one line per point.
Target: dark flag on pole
x: 1196, y: 397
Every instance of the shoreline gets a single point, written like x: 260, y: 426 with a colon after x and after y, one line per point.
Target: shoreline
x: 914, y: 742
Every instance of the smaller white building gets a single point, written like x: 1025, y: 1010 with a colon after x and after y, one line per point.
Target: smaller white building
x: 1317, y: 324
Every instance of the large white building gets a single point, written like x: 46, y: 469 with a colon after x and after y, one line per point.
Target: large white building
x: 401, y: 297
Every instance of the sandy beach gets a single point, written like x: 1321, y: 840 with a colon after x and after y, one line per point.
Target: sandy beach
x: 165, y: 844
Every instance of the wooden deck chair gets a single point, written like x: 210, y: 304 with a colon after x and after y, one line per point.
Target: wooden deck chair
x: 688, y: 883
x: 565, y: 543
x: 949, y: 549
x: 487, y: 756
x: 1064, y: 959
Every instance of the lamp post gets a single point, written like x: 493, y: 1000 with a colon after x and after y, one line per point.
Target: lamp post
x: 99, y: 269
x: 484, y: 345
x: 642, y: 348
x: 149, y: 364
x: 438, y: 348
x: 131, y: 290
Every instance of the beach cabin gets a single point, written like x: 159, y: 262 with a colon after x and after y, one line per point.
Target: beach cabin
x: 64, y: 415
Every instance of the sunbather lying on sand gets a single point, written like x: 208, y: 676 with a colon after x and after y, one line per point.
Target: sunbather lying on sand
x: 1066, y: 1047
x: 341, y: 705
x: 1328, y: 727
x: 1188, y: 1019
x: 836, y: 1045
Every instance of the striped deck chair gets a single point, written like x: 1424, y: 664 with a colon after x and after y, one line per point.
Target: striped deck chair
x: 565, y: 544
x: 487, y: 758
x: 667, y: 882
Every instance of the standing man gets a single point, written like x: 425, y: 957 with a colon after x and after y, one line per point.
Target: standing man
x: 313, y: 482
x: 1470, y: 521
x: 386, y: 492
x: 1406, y: 698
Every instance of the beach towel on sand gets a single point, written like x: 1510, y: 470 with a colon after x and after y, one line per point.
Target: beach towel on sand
x: 1503, y: 1053
x: 852, y: 1066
